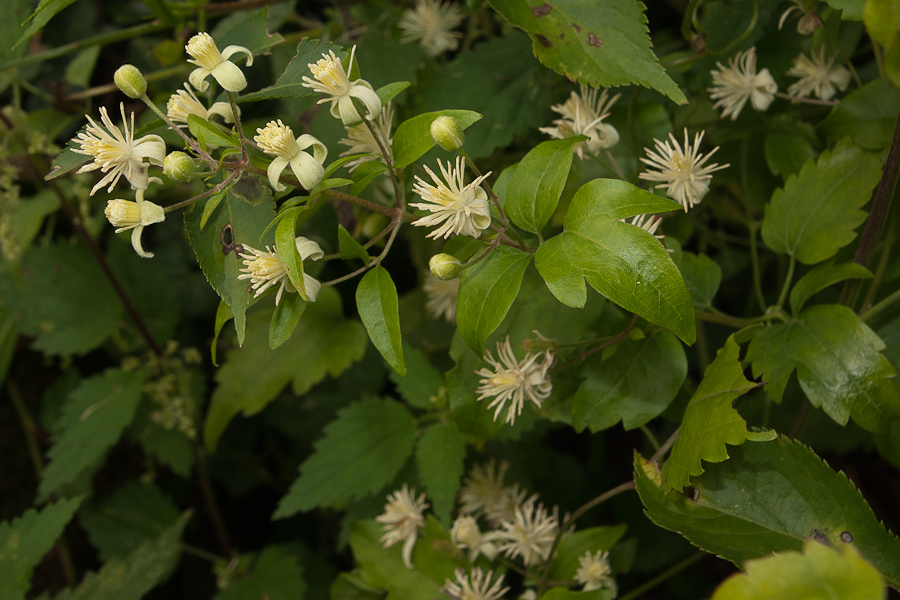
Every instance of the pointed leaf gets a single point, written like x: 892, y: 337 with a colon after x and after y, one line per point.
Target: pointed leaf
x: 350, y: 248
x: 379, y: 310
x: 207, y: 133
x: 867, y: 115
x: 250, y: 31
x: 440, y: 454
x: 413, y: 137
x: 533, y: 194
x: 422, y: 382
x: 287, y: 249
x: 388, y: 92
x: 823, y: 276
x: 285, y: 318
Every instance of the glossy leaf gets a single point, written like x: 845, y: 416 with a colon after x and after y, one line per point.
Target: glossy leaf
x: 533, y: 195
x: 440, y: 454
x: 486, y: 291
x: 413, y: 137
x: 601, y: 44
x: 816, y: 212
x: 867, y: 115
x: 623, y: 262
x: 821, y: 277
x: 838, y: 361
x: 285, y: 318
x: 379, y: 310
x: 66, y: 161
x: 710, y: 422
x: 290, y: 83
x: 388, y: 92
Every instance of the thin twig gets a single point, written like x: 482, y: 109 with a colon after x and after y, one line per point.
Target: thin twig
x: 209, y: 499
x: 612, y: 342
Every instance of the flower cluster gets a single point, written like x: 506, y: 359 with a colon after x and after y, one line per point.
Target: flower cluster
x: 512, y: 380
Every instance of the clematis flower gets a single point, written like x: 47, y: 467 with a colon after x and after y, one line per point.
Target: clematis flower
x: 583, y: 114
x: 463, y: 209
x: 441, y: 297
x: 529, y: 534
x: 361, y: 141
x: 116, y: 154
x: 739, y: 82
x: 432, y: 23
x: 594, y: 572
x: 276, y: 139
x: 476, y: 586
x: 817, y: 76
x: 210, y: 61
x: 265, y: 269
x: 509, y: 379
x: 185, y: 103
x: 465, y: 534
x: 136, y: 215
x: 332, y: 80
x: 401, y: 520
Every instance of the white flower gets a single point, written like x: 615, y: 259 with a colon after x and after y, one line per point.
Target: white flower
x: 583, y: 114
x: 126, y: 215
x: 483, y: 488
x: 116, y: 154
x: 809, y: 20
x: 463, y: 209
x: 530, y: 534
x: 817, y: 76
x: 514, y: 380
x: 432, y: 22
x: 331, y: 79
x: 441, y: 296
x: 594, y: 572
x: 402, y: 519
x: 479, y: 587
x: 466, y: 534
x: 184, y: 103
x: 210, y: 61
x: 734, y: 85
x: 683, y: 171
x: 264, y: 269
x: 528, y: 595
x: 277, y: 140
x: 360, y: 140
x: 505, y: 509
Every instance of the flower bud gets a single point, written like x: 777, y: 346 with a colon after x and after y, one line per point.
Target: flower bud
x: 443, y: 266
x: 447, y: 133
x: 130, y: 80
x: 179, y: 166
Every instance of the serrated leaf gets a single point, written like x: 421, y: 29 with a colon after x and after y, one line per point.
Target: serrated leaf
x: 92, y: 421
x: 532, y: 196
x: 290, y: 83
x: 422, y: 381
x: 276, y: 575
x: 702, y: 275
x: 367, y: 444
x: 821, y: 277
x: 814, y: 215
x: 413, y: 137
x: 486, y: 291
x: 710, y: 422
x: 25, y: 540
x: 634, y: 385
x: 804, y: 499
x: 623, y: 262
x: 571, y: 547
x: 350, y: 248
x: 132, y: 515
x: 838, y: 361
x: 252, y: 376
x: 817, y: 572
x: 250, y: 31
x: 866, y: 114
x: 440, y: 454
x: 379, y: 310
x: 604, y: 43
x: 285, y: 318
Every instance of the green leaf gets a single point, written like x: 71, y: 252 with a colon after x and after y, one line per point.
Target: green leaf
x: 788, y: 148
x: 367, y: 445
x: 486, y: 291
x: 81, y: 67
x: 66, y: 161
x: 702, y: 275
x: 571, y: 547
x: 819, y: 572
x: 388, y: 92
x: 413, y: 137
x: 92, y: 421
x: 287, y: 249
x: 867, y: 115
x: 604, y: 43
x: 25, y: 540
x: 533, y: 195
x: 365, y: 174
x: 285, y: 318
x: 814, y: 215
x: 223, y: 315
x: 134, y: 514
x: 45, y: 11
x: 276, y: 575
x: 634, y: 385
x: 561, y: 593
x: 208, y: 134
x: 440, y: 454
x: 710, y: 421
x: 324, y: 343
x: 852, y: 9
x: 248, y: 30
x: 882, y: 19
x: 838, y: 361
x: 379, y: 310
x: 821, y: 277
x: 623, y: 262
x: 210, y: 207
x: 132, y: 577
x: 25, y: 218
x: 290, y: 83
x: 235, y: 222
x: 770, y: 497
x: 9, y: 335
x: 350, y: 248
x: 422, y: 381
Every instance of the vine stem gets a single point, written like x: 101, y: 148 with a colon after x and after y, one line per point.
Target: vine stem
x: 660, y: 452
x: 612, y: 342
x: 787, y: 282
x: 667, y: 574
x: 210, y: 192
x: 238, y: 126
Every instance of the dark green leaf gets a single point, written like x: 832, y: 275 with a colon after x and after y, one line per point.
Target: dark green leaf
x: 25, y: 218
x: 852, y: 10
x: 223, y: 315
x: 367, y: 445
x: 821, y: 277
x: 440, y: 454
x: 384, y: 569
x: 276, y: 575
x: 413, y: 137
x: 66, y: 161
x: 45, y: 11
x: 9, y: 333
x: 867, y: 115
x: 702, y: 275
x: 422, y: 381
x: 561, y: 593
x: 81, y: 67
x: 571, y: 547
x: 379, y: 310
x: 787, y: 149
x: 365, y: 174
x: 250, y: 31
x: 533, y: 195
x: 210, y: 207
x: 285, y: 318
x: 350, y: 248
x: 290, y: 83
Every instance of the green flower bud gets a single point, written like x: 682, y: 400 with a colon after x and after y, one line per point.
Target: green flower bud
x: 447, y: 133
x: 130, y: 80
x: 443, y: 266
x: 179, y: 166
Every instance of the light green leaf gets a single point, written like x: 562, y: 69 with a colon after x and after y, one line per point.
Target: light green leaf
x: 882, y: 19
x: 285, y: 318
x: 710, y: 421
x: 867, y: 115
x: 250, y: 31
x: 821, y: 277
x: 422, y: 381
x: 571, y: 547
x: 486, y: 291
x: 818, y: 573
x: 440, y: 454
x: 45, y: 11
x: 210, y: 207
x: 365, y: 174
x: 634, y: 385
x: 388, y: 92
x: 276, y: 575
x: 92, y: 421
x: 24, y: 220
x: 252, y: 376
x: 379, y: 310
x: 533, y: 195
x: 287, y: 249
x: 814, y: 215
x: 384, y: 569
x: 350, y: 248
x: 81, y: 67
x: 838, y: 361
x: 804, y: 499
x: 702, y: 275
x: 604, y: 43
x: 852, y: 10
x: 208, y: 134
x: 290, y: 83
x: 623, y: 262
x: 25, y: 540
x: 413, y: 137
x: 367, y: 445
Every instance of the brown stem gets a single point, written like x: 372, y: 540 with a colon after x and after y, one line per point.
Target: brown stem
x: 210, y: 192
x: 238, y: 126
x: 660, y: 452
x: 612, y: 342
x: 209, y: 499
